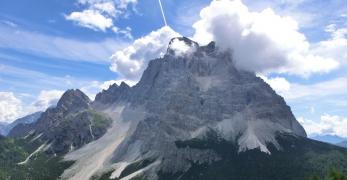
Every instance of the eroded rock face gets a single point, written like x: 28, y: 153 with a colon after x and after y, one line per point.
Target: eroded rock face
x: 113, y: 95
x: 186, y: 95
x: 68, y: 126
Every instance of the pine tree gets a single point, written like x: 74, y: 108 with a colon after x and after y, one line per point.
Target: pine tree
x: 336, y: 175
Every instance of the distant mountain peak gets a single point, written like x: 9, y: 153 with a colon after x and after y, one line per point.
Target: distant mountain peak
x: 113, y: 94
x: 23, y: 121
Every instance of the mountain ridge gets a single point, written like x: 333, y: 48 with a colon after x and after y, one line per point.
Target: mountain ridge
x: 69, y: 125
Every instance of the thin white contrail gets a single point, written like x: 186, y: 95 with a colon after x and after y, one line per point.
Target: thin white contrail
x: 162, y: 12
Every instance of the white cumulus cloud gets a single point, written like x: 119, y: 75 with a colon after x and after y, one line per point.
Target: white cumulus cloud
x: 279, y: 84
x: 328, y: 124
x: 131, y: 61
x: 318, y: 90
x: 10, y: 107
x: 260, y: 41
x: 335, y: 46
x: 91, y: 19
x: 45, y: 99
x: 100, y: 15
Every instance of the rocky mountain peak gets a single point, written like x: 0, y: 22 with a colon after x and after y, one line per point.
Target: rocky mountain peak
x: 73, y: 100
x: 124, y: 85
x: 186, y: 94
x: 205, y: 87
x: 113, y: 94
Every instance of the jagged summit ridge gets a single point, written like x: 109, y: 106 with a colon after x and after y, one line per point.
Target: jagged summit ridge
x: 73, y: 100
x: 113, y: 94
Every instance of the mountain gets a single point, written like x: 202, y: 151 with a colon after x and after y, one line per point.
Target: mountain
x: 31, y: 118
x: 342, y: 144
x: 69, y: 125
x: 332, y: 139
x: 192, y: 115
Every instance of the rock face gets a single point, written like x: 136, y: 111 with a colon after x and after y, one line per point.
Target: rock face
x: 114, y: 94
x: 191, y: 91
x: 69, y: 125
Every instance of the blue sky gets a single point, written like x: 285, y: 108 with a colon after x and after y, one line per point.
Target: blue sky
x: 47, y: 47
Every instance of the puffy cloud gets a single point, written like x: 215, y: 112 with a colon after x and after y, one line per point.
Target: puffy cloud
x: 327, y: 88
x: 91, y: 19
x: 279, y: 84
x: 99, y: 15
x: 181, y: 48
x: 308, y: 100
x: 10, y: 107
x: 328, y: 124
x: 335, y: 46
x: 260, y: 41
x: 106, y: 7
x: 131, y: 61
x: 45, y: 99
